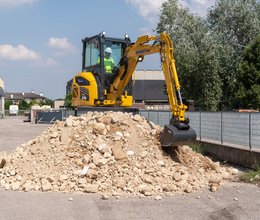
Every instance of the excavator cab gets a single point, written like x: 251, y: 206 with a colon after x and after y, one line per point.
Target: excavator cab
x: 96, y: 61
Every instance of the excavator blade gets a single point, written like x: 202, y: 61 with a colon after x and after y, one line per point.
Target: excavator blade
x: 173, y: 136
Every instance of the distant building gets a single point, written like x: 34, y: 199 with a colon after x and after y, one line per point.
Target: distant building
x: 148, y: 87
x: 28, y: 97
x: 59, y: 103
x: 2, y: 103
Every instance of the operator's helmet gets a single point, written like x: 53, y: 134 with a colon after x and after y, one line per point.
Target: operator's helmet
x: 108, y: 50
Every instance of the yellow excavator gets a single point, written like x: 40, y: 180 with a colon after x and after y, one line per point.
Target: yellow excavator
x: 110, y: 88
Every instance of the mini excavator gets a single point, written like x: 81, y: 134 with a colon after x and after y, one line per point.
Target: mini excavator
x: 96, y: 86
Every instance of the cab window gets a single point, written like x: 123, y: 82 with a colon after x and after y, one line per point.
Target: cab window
x: 91, y: 52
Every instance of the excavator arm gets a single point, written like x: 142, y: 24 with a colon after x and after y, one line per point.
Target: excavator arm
x: 135, y: 53
x: 178, y: 132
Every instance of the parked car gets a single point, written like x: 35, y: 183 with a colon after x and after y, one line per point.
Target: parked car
x: 13, y: 109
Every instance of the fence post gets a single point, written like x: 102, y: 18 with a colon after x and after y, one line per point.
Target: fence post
x: 62, y: 114
x: 200, y: 125
x: 221, y: 128
x: 250, y: 130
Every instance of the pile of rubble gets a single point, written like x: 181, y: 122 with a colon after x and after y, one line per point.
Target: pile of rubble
x: 111, y: 153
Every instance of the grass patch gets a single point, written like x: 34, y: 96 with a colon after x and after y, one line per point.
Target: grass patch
x: 252, y: 176
x: 198, y: 148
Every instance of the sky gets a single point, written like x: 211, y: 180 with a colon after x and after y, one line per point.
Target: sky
x: 40, y: 40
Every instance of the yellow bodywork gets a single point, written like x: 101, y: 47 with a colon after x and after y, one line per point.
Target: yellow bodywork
x: 87, y: 95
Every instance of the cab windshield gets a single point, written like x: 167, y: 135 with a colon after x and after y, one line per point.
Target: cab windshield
x: 117, y: 50
x: 92, y: 51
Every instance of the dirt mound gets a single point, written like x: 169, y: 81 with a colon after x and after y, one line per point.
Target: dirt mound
x: 111, y: 153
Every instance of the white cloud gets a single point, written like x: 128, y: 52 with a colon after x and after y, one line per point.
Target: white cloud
x: 62, y: 46
x: 202, y: 2
x: 51, y: 62
x: 19, y: 53
x: 199, y: 7
x: 148, y: 9
x: 13, y: 3
x: 60, y: 43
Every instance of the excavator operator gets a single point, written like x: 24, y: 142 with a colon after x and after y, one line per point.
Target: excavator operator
x: 108, y: 60
x: 109, y: 65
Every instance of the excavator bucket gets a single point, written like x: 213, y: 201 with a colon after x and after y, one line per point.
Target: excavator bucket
x: 174, y: 136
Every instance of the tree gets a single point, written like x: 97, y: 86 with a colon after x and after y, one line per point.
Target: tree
x: 248, y: 89
x: 195, y: 53
x: 23, y: 105
x: 33, y: 102
x: 7, y: 104
x: 208, y: 50
x: 234, y: 23
x: 68, y: 100
x: 46, y: 102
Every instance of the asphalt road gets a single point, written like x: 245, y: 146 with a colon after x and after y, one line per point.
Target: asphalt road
x: 232, y: 201
x: 14, y: 132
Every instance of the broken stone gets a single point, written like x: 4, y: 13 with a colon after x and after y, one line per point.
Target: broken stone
x: 214, y: 187
x: 3, y: 157
x: 188, y: 188
x: 15, y: 185
x: 86, y: 159
x: 118, y: 136
x: 233, y: 171
x: 118, y: 152
x: 119, y: 183
x: 84, y: 171
x: 69, y: 121
x: 105, y: 197
x: 215, y: 179
x: 91, y: 188
x: 160, y: 163
x: 130, y: 153
x: 63, y: 177
x: 66, y: 136
x: 46, y: 185
x: 12, y: 172
x: 27, y: 186
x: 99, y: 128
x: 138, y: 118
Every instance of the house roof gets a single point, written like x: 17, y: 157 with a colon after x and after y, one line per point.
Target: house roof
x: 20, y: 96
